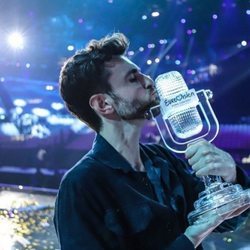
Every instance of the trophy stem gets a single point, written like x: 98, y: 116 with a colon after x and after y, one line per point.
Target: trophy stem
x: 211, y: 180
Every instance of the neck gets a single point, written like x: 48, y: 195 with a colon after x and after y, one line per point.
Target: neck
x: 124, y: 137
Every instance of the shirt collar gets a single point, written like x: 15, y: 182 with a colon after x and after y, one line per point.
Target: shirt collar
x: 103, y: 152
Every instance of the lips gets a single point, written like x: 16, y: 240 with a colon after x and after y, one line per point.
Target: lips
x: 154, y: 93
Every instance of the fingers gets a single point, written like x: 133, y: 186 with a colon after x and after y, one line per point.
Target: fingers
x: 193, y: 147
x: 237, y: 211
x: 212, y: 168
x: 201, y: 154
x: 206, y: 159
x: 200, y: 230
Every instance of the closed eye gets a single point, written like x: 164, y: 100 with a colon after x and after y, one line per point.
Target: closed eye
x: 132, y: 75
x: 133, y: 79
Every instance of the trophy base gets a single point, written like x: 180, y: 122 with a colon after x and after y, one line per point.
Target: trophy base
x: 218, y: 198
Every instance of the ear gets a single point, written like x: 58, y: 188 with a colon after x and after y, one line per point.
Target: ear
x: 102, y: 104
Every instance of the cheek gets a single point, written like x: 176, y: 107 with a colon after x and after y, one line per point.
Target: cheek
x: 130, y: 94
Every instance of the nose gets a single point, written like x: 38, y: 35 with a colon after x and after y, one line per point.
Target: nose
x: 147, y: 82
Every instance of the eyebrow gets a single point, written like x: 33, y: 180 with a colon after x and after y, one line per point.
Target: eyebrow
x: 132, y: 71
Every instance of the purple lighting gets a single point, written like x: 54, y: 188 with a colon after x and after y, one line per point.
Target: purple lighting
x: 215, y: 16
x: 80, y: 20
x: 131, y: 53
x: 151, y: 45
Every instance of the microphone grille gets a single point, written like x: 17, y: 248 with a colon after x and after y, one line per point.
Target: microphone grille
x: 170, y: 83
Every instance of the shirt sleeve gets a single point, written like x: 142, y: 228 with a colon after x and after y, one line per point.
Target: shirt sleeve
x: 242, y: 178
x: 78, y: 220
x: 182, y: 242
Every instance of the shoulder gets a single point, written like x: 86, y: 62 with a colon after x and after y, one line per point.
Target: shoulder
x: 82, y: 174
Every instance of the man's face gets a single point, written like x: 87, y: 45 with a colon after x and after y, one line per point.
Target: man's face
x: 133, y: 92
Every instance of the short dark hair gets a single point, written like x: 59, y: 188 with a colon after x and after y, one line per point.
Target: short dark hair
x: 84, y: 75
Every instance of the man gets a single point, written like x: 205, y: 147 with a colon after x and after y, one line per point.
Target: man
x: 122, y: 194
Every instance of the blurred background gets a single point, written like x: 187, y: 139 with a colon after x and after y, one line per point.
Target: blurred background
x: 207, y: 41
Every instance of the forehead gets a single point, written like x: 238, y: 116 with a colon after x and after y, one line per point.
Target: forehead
x: 119, y: 66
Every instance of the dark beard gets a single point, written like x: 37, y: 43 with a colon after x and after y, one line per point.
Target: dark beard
x: 132, y: 110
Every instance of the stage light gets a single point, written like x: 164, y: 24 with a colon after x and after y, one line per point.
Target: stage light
x: 151, y: 45
x: 49, y: 87
x: 177, y: 62
x: 144, y: 17
x: 191, y: 72
x: 183, y: 20
x: 238, y: 45
x: 9, y: 129
x: 70, y: 48
x: 2, y: 79
x: 40, y: 131
x: 6, y: 234
x: 214, y: 16
x: 246, y: 160
x: 35, y: 101
x: 16, y: 40
x: 149, y: 62
x: 78, y: 127
x: 2, y: 111
x: 18, y: 110
x: 141, y: 49
x: 58, y: 120
x: 248, y: 12
x: 157, y: 60
x: 244, y: 43
x: 163, y: 41
x: 57, y: 105
x: 27, y: 65
x: 213, y: 69
x: 155, y: 14
x: 20, y: 102
x: 80, y: 20
x: 131, y: 53
x: 41, y: 112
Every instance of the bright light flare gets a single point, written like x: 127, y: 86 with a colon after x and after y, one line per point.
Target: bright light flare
x: 6, y: 234
x: 155, y: 14
x: 41, y: 112
x: 244, y: 43
x: 16, y: 40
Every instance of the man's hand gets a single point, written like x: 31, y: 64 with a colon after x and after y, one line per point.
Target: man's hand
x: 198, y: 232
x: 206, y: 159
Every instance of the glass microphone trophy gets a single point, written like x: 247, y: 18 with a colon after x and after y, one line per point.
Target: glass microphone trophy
x: 187, y: 116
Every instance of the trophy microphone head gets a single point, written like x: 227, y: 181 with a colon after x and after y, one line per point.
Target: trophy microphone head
x: 184, y: 120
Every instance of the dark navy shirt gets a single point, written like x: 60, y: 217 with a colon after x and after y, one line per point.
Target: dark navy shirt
x: 103, y: 203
